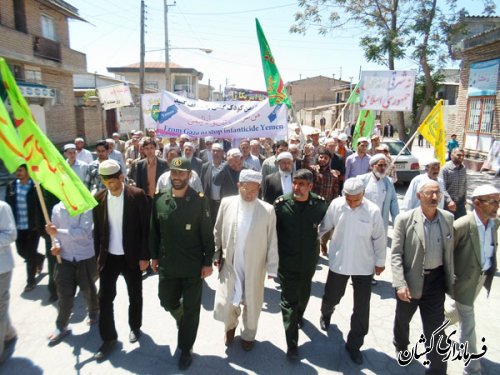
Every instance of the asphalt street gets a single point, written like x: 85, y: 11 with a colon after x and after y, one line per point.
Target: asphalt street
x: 155, y: 353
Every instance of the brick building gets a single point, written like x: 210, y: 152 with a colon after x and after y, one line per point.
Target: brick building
x: 477, y: 123
x: 34, y: 40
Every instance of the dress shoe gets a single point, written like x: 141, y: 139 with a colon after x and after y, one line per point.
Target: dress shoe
x: 105, y: 349
x: 292, y: 353
x: 247, y: 345
x: 229, y: 337
x: 134, y: 335
x: 355, y: 355
x: 324, y: 322
x: 300, y: 322
x: 185, y: 360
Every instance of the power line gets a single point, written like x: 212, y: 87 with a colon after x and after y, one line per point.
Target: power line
x: 239, y: 12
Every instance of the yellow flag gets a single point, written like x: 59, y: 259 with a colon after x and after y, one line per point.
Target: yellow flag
x: 432, y: 129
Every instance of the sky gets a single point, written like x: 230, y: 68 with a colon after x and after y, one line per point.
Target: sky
x: 112, y: 38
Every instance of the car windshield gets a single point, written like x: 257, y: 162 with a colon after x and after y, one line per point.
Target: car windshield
x: 395, y: 148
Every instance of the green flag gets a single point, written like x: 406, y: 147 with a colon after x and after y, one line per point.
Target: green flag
x: 276, y: 90
x: 364, y: 126
x: 45, y: 163
x: 11, y: 151
x: 354, y: 97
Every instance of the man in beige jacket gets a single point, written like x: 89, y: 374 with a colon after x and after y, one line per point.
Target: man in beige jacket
x: 246, y: 248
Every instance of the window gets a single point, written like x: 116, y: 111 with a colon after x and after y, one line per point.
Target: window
x: 480, y: 120
x: 20, y: 16
x: 152, y: 85
x: 32, y: 74
x: 48, y: 28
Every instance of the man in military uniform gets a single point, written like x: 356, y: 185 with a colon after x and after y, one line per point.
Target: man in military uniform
x: 298, y: 215
x: 182, y: 247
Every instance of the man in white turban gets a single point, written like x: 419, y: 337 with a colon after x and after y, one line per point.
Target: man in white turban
x: 246, y: 248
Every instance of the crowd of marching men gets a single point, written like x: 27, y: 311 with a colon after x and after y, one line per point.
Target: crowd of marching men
x: 195, y: 203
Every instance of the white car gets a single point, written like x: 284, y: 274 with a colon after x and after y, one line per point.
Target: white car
x: 406, y: 164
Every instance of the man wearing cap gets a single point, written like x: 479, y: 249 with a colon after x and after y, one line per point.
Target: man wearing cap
x: 206, y: 154
x: 280, y: 182
x: 208, y: 171
x: 229, y: 174
x: 315, y: 140
x: 246, y: 248
x: 422, y: 270
x: 476, y: 243
x: 357, y: 251
x: 375, y: 142
x: 81, y: 153
x: 359, y: 162
x: 183, y: 138
x: 270, y: 165
x: 121, y: 247
x: 249, y: 161
x: 298, y: 215
x: 78, y: 166
x: 454, y: 175
x: 188, y: 150
x: 182, y: 246
x: 432, y: 168
x: 342, y: 150
x: 119, y: 144
x: 379, y: 189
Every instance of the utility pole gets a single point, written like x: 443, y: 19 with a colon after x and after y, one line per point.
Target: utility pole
x: 141, y: 69
x: 167, y: 55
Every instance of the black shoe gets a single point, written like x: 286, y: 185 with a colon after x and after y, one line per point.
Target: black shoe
x: 105, y: 349
x: 185, y: 360
x: 300, y: 322
x: 355, y: 355
x: 134, y: 335
x: 324, y: 323
x: 292, y: 353
x: 53, y: 298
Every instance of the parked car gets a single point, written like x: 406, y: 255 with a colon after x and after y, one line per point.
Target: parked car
x: 406, y: 164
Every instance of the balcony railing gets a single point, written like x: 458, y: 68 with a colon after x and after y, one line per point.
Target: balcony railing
x: 46, y: 48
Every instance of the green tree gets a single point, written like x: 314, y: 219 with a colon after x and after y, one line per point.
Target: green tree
x: 391, y: 30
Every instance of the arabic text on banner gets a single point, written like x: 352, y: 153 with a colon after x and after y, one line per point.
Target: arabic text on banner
x: 483, y: 78
x: 390, y: 90
x: 230, y: 119
x: 115, y: 96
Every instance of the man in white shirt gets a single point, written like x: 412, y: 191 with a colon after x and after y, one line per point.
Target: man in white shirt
x: 81, y: 153
x: 121, y: 225
x: 357, y: 249
x: 78, y: 166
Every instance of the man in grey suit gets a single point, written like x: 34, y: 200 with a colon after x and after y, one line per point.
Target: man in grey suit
x: 422, y: 269
x: 476, y: 241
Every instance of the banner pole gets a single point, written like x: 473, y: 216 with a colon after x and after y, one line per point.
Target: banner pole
x: 45, y: 214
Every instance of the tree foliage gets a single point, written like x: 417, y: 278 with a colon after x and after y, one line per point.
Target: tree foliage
x: 420, y: 30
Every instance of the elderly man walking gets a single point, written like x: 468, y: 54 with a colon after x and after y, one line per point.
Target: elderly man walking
x: 357, y: 250
x: 246, y: 248
x: 454, y: 175
x: 476, y: 243
x: 422, y: 269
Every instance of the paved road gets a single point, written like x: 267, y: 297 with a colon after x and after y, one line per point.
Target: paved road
x: 155, y: 353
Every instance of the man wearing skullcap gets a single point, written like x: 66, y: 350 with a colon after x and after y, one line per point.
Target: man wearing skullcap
x: 422, y: 270
x: 246, y: 249
x: 78, y: 166
x: 182, y: 247
x: 206, y: 153
x: 229, y: 174
x: 359, y: 162
x: 279, y: 183
x: 476, y: 243
x: 357, y: 251
x: 121, y: 228
x: 188, y: 151
x: 380, y: 190
x: 432, y: 168
x: 270, y: 165
x: 82, y: 153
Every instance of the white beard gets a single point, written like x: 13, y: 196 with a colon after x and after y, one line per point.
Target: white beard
x: 378, y: 174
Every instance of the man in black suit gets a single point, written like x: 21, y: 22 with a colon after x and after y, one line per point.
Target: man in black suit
x: 188, y: 152
x: 388, y: 129
x: 206, y: 154
x: 121, y: 225
x: 208, y: 171
x: 229, y: 175
x: 149, y: 169
x: 279, y: 183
